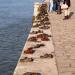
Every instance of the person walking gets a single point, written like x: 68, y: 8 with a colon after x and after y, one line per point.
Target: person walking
x: 66, y: 11
x: 58, y: 7
x: 51, y: 5
x: 55, y: 5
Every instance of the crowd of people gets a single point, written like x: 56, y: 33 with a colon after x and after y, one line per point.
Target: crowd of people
x: 58, y: 6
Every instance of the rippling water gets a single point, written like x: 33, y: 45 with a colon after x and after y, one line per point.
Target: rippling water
x: 15, y: 24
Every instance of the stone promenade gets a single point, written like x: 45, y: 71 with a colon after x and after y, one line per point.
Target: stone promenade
x: 50, y: 48
x: 64, y: 41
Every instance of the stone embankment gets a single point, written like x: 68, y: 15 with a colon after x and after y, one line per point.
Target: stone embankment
x: 38, y: 55
x: 50, y: 47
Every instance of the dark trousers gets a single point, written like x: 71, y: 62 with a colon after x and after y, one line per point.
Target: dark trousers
x: 55, y: 6
x: 58, y: 8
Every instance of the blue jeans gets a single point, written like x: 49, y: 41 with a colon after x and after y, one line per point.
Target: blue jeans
x: 55, y: 6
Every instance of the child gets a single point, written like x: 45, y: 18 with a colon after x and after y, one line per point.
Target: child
x: 66, y: 11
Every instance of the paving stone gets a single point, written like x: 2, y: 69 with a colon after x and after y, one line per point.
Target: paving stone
x: 65, y: 73
x: 64, y: 65
x: 73, y: 63
x: 73, y: 73
x: 64, y: 42
x: 64, y: 69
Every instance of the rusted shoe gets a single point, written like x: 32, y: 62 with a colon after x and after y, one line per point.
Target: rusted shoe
x: 44, y: 27
x: 43, y: 34
x: 47, y: 56
x: 43, y: 37
x: 22, y: 60
x: 46, y: 15
x: 37, y: 25
x: 26, y: 59
x: 39, y: 45
x: 39, y: 31
x: 29, y: 60
x: 47, y: 23
x: 34, y: 39
x: 45, y: 19
x: 42, y: 23
x: 36, y: 32
x: 29, y: 51
x: 31, y: 73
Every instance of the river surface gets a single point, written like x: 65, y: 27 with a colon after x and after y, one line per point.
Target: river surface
x: 15, y: 24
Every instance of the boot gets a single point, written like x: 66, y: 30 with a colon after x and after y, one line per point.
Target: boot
x: 66, y: 17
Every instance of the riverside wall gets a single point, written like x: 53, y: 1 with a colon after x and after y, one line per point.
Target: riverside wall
x: 38, y: 55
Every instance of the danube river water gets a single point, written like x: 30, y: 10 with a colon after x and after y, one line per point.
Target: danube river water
x: 15, y: 24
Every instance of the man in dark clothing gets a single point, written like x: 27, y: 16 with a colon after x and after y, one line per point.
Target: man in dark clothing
x: 56, y: 6
x: 66, y: 11
x: 59, y: 7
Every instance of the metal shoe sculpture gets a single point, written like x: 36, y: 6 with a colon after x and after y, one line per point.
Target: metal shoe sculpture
x: 26, y: 59
x: 47, y: 56
x: 31, y: 73
x: 29, y: 51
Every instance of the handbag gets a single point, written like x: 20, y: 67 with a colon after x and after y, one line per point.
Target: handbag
x: 64, y: 6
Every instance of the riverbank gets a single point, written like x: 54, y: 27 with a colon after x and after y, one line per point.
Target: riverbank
x: 38, y: 56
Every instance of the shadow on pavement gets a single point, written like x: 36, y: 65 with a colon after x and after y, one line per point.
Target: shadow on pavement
x: 71, y: 13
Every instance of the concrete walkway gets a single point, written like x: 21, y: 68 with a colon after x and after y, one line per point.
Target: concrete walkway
x: 64, y: 41
x: 43, y: 58
x: 62, y: 44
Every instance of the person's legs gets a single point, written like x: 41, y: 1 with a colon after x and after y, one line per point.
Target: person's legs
x: 51, y: 5
x: 68, y: 11
x: 66, y: 14
x: 54, y: 6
